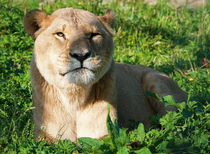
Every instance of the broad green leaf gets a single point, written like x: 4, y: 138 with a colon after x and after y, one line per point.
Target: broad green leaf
x: 143, y: 150
x: 168, y: 100
x: 182, y: 105
x: 141, y: 133
x: 122, y: 150
x: 116, y: 126
x: 93, y: 150
x: 192, y: 104
x: 162, y: 145
x: 106, y: 139
x: 90, y: 142
x: 108, y: 143
x: 122, y: 139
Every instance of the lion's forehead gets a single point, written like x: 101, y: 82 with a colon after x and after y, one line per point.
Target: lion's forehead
x: 74, y: 19
x: 64, y: 23
x: 75, y: 16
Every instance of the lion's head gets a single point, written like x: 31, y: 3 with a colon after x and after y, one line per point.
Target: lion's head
x: 71, y: 46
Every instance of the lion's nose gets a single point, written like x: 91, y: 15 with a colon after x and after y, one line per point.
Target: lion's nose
x: 81, y: 56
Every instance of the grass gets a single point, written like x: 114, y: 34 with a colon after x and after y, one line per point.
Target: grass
x: 172, y: 40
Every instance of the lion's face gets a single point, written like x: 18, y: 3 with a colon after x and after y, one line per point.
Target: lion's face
x: 71, y: 46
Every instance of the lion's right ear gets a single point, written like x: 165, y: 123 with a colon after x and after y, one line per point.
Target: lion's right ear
x: 35, y: 22
x: 108, y: 20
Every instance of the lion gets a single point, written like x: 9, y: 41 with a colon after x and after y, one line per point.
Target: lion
x: 74, y: 77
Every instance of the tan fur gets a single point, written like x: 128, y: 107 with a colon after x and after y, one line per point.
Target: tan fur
x: 71, y: 101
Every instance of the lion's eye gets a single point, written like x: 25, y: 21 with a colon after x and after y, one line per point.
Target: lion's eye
x: 60, y: 34
x: 94, y: 34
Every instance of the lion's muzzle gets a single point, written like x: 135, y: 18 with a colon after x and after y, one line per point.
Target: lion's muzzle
x: 81, y: 56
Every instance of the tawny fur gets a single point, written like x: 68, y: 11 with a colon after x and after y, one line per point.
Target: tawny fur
x: 71, y: 101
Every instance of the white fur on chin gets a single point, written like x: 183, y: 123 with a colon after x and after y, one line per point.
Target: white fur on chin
x: 80, y: 77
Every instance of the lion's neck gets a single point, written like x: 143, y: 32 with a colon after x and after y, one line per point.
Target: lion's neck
x: 75, y: 96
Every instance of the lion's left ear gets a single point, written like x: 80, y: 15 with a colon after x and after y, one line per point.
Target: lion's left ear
x: 35, y: 22
x: 108, y: 19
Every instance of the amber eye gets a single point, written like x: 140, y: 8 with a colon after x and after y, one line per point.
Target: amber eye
x: 60, y: 34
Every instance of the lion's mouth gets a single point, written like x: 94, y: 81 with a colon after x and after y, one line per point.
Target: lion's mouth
x: 81, y: 69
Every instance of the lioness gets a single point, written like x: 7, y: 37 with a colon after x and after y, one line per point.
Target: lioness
x: 74, y: 77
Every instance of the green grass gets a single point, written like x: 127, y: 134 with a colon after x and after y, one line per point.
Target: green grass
x: 172, y: 40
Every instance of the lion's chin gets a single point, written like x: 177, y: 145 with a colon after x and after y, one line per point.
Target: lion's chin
x: 83, y: 77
